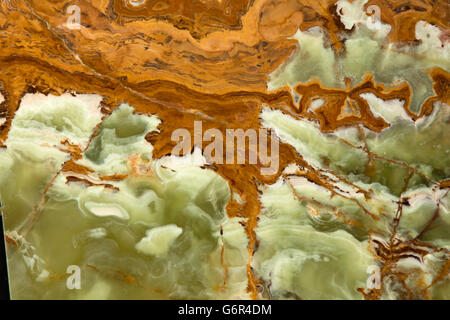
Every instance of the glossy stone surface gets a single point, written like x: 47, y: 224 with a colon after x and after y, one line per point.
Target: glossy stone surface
x: 356, y: 92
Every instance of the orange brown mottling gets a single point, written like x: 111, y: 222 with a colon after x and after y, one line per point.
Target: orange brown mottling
x: 199, y: 60
x: 404, y: 14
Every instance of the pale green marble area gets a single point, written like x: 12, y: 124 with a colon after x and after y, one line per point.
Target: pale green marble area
x: 156, y: 237
x: 306, y: 230
x: 314, y: 244
x: 424, y: 145
x: 163, y: 232
x: 308, y: 257
x: 365, y: 50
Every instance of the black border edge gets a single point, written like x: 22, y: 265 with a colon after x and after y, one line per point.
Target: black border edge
x: 4, y: 286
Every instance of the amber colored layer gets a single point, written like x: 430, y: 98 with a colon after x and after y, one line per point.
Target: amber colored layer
x: 196, y: 60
